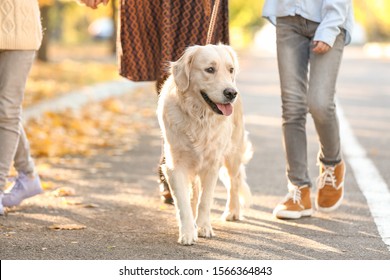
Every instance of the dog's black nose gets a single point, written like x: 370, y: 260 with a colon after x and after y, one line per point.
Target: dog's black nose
x: 230, y: 93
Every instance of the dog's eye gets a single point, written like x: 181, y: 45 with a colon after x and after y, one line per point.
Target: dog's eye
x: 231, y: 70
x: 210, y: 70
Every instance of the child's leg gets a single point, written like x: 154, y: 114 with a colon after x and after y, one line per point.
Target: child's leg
x: 14, y: 69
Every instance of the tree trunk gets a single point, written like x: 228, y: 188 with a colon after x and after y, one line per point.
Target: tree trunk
x: 43, y: 50
x: 115, y: 20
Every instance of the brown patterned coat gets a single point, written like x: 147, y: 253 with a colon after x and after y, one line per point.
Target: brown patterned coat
x: 155, y: 32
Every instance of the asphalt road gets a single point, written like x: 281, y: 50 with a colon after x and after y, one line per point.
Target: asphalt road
x: 129, y: 221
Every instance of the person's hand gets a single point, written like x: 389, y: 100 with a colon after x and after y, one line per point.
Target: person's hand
x: 320, y: 47
x: 94, y: 3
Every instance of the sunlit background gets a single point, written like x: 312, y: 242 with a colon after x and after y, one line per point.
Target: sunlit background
x: 70, y: 24
x: 80, y: 42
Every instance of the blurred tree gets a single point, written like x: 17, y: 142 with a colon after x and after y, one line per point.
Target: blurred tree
x: 66, y: 22
x: 45, y: 8
x: 245, y: 19
x: 374, y: 16
x: 114, y: 7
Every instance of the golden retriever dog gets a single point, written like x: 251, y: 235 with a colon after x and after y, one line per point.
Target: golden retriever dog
x: 201, y: 119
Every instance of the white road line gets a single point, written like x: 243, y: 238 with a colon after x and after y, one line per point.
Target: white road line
x: 370, y: 181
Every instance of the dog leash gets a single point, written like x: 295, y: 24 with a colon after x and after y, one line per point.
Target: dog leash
x: 213, y: 19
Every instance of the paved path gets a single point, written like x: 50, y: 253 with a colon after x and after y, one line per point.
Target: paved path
x: 128, y: 221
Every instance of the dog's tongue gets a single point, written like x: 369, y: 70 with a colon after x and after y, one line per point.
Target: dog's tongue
x: 226, y: 109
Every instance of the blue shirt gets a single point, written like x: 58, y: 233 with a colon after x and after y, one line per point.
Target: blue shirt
x: 330, y: 14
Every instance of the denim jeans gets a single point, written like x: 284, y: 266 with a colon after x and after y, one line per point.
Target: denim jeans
x: 308, y: 84
x: 14, y: 147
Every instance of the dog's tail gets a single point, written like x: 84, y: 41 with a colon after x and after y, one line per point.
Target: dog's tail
x: 244, y: 192
x: 248, y: 149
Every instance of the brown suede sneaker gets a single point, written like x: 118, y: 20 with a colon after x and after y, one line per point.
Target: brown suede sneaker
x: 330, y: 187
x: 296, y: 204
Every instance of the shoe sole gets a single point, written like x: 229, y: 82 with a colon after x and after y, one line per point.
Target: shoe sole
x: 33, y: 193
x: 285, y: 214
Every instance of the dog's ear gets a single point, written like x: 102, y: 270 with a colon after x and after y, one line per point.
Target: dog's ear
x: 234, y: 57
x: 181, y: 68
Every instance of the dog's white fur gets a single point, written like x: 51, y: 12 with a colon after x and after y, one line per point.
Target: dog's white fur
x: 199, y: 143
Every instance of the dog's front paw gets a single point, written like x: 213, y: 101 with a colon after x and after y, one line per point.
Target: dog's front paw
x: 206, y: 231
x: 188, y: 236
